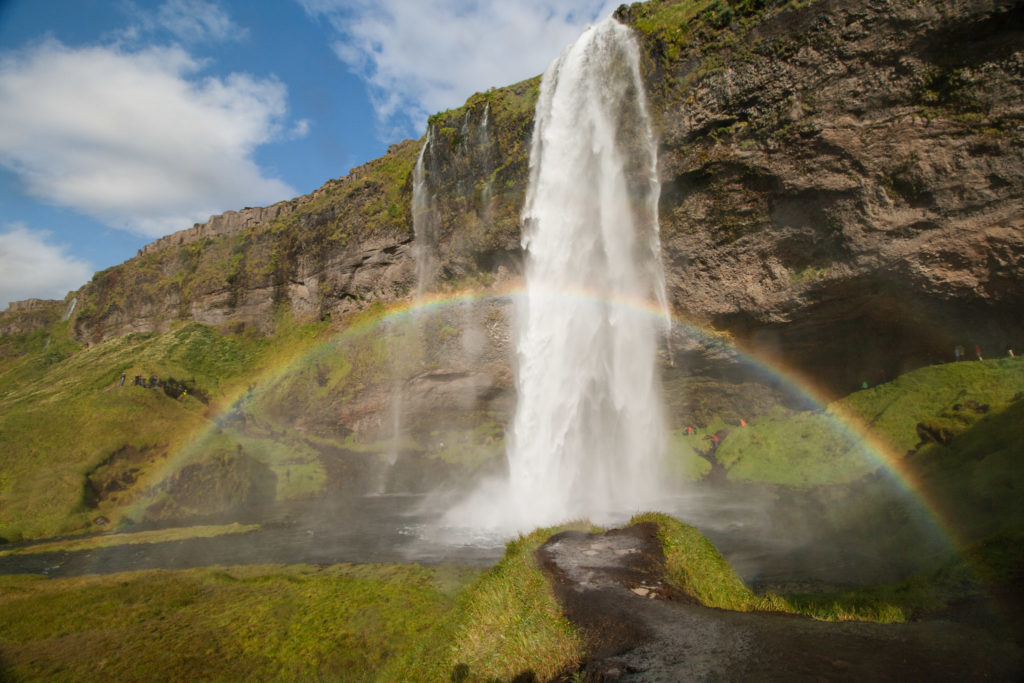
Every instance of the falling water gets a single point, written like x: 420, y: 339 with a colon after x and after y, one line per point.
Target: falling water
x: 588, y: 435
x: 406, y: 335
x: 485, y: 211
x: 70, y: 309
x: 424, y: 221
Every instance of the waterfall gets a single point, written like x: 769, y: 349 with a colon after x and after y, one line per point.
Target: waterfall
x: 487, y: 168
x: 405, y: 335
x: 588, y: 437
x: 424, y: 221
x: 70, y: 309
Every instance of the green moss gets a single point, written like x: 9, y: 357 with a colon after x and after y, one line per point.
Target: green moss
x: 947, y: 92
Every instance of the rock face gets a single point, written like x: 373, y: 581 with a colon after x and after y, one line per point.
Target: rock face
x: 323, y: 253
x: 24, y: 317
x: 843, y: 185
x: 842, y: 191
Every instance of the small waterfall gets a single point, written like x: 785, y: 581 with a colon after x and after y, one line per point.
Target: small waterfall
x: 404, y: 335
x: 588, y: 438
x: 487, y: 167
x: 70, y: 309
x: 424, y: 221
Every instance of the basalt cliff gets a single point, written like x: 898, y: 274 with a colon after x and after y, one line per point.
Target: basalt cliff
x: 842, y: 191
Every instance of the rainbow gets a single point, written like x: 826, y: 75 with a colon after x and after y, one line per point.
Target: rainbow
x: 882, y: 455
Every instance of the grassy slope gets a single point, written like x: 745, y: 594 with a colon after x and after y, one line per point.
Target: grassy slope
x: 811, y: 448
x: 252, y: 623
x: 694, y: 566
x: 62, y: 414
x: 369, y: 622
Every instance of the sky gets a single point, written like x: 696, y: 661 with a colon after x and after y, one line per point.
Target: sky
x: 125, y: 120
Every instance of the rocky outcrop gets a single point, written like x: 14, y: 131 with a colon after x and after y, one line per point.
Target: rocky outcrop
x: 329, y: 252
x: 25, y: 317
x: 225, y: 225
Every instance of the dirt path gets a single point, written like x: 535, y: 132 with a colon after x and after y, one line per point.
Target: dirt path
x: 637, y: 629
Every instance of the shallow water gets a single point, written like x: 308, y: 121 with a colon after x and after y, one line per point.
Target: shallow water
x: 388, y: 528
x: 406, y: 529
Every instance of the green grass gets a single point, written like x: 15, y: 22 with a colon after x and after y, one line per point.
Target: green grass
x: 62, y: 419
x: 929, y: 394
x: 695, y: 567
x: 358, y: 623
x: 796, y: 449
x: 981, y: 571
x: 805, y: 448
x: 394, y: 622
x: 511, y: 621
x: 507, y: 623
x: 244, y: 623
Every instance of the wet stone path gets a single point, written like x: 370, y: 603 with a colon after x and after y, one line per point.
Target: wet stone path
x: 637, y: 628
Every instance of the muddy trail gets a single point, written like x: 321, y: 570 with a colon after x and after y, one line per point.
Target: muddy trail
x: 638, y: 628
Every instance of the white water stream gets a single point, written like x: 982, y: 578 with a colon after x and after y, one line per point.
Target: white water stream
x: 588, y: 438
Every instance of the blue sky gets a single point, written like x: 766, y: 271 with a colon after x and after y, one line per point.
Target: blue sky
x: 125, y: 120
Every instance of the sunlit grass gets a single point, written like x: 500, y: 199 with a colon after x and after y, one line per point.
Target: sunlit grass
x: 695, y: 567
x: 244, y: 623
x: 392, y: 622
x: 805, y: 448
x: 508, y: 623
x: 366, y: 622
x: 60, y: 420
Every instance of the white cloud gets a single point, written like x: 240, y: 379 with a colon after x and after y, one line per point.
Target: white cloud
x: 31, y: 267
x: 194, y: 21
x: 428, y: 56
x: 135, y: 139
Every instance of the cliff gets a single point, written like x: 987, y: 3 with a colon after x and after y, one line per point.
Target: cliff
x: 841, y: 191
x: 347, y: 242
x: 842, y: 183
x: 24, y: 317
